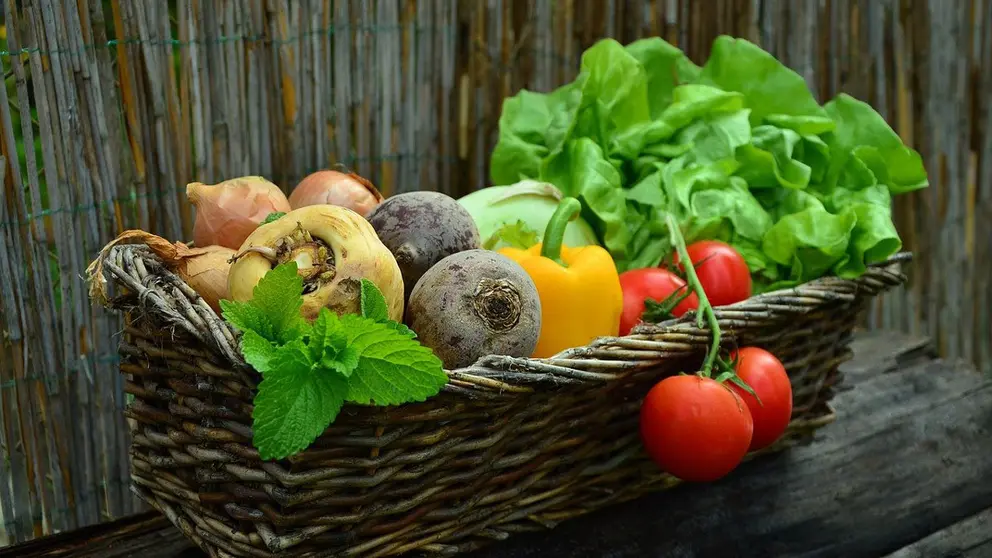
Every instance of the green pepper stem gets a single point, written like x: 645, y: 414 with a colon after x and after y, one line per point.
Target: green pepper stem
x: 704, y: 310
x: 554, y: 234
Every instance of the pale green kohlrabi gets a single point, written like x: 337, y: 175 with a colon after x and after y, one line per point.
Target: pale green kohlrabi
x: 517, y: 214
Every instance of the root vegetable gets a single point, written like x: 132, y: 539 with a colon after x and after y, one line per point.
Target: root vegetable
x: 227, y: 212
x: 422, y: 228
x: 333, y: 247
x: 205, y: 269
x: 207, y: 274
x: 475, y: 303
x: 336, y: 188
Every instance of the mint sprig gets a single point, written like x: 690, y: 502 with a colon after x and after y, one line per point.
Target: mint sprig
x: 309, y: 371
x: 296, y: 401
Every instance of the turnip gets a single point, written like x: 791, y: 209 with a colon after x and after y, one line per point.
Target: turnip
x: 334, y: 249
x: 420, y: 229
x: 475, y: 303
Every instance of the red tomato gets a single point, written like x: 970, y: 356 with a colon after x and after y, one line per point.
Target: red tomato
x: 769, y: 380
x: 722, y: 271
x: 654, y: 283
x: 695, y: 428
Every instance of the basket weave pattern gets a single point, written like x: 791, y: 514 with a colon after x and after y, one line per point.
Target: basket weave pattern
x: 510, y: 444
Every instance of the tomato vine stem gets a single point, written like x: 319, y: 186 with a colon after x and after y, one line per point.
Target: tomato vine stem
x: 705, y: 310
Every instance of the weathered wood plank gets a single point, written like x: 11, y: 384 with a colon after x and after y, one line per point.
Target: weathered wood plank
x: 907, y: 456
x: 968, y: 538
x: 149, y: 535
x: 880, y: 351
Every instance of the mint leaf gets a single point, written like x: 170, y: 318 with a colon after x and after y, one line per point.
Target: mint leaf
x: 343, y: 362
x: 329, y: 346
x: 274, y: 216
x: 309, y: 370
x: 279, y: 294
x: 326, y: 331
x: 257, y: 350
x: 274, y: 310
x: 373, y: 303
x: 295, y: 403
x: 402, y: 329
x: 374, y: 307
x: 247, y: 317
x: 392, y: 367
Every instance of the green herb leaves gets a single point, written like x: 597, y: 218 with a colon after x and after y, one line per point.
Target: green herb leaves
x: 393, y: 368
x: 274, y: 311
x: 309, y: 371
x: 374, y: 307
x: 296, y: 401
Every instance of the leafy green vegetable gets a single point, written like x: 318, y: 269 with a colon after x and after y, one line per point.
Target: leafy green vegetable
x: 309, y: 371
x: 737, y: 150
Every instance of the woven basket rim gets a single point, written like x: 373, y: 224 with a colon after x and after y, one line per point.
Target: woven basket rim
x: 601, y: 360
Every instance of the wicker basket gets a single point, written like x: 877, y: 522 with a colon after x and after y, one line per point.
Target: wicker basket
x: 510, y: 445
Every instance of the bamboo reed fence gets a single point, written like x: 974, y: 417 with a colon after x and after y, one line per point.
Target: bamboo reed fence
x: 110, y: 107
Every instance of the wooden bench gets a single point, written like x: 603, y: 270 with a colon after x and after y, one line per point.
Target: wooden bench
x: 903, y: 473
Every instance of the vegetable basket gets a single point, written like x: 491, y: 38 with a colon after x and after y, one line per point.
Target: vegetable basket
x: 509, y: 445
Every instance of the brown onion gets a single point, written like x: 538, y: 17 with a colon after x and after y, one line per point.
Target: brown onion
x: 329, y: 187
x: 205, y: 269
x: 227, y: 212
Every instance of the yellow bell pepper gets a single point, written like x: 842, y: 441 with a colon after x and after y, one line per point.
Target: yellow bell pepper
x: 579, y: 287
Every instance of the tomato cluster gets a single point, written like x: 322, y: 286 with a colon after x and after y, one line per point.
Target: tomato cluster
x: 695, y: 427
x: 721, y: 270
x: 699, y: 429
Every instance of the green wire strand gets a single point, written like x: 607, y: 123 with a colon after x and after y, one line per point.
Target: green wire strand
x: 176, y: 43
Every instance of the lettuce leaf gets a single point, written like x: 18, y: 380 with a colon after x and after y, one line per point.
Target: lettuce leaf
x: 738, y: 150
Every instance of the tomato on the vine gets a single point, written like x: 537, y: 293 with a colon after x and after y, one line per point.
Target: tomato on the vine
x: 695, y: 428
x: 652, y: 283
x: 768, y: 379
x: 723, y: 274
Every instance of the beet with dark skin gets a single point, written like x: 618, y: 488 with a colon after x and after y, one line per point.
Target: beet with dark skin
x: 475, y: 303
x: 422, y: 228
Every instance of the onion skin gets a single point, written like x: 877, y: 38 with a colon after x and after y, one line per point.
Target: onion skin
x: 207, y: 274
x: 329, y: 187
x: 358, y: 253
x: 205, y: 269
x: 227, y: 212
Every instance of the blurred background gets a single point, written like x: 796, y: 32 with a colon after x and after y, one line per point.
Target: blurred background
x: 111, y: 107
